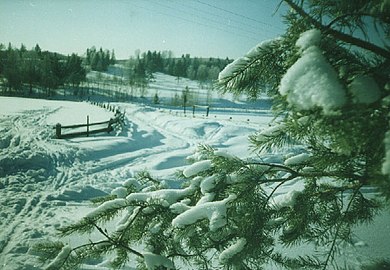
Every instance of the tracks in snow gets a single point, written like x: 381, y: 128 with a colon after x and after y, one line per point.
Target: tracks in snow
x: 29, y: 158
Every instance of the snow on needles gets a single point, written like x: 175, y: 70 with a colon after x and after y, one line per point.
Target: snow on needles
x: 232, y: 68
x: 311, y: 81
x: 197, y: 167
x: 61, y: 257
x: 297, y: 160
x: 154, y: 261
x: 364, y: 90
x: 215, y: 212
x: 309, y: 38
x: 386, y: 163
x: 232, y: 250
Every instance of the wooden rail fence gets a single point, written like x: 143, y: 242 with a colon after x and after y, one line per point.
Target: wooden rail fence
x: 203, y: 107
x: 108, y: 128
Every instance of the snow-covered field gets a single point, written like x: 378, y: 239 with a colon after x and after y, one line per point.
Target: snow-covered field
x: 46, y: 183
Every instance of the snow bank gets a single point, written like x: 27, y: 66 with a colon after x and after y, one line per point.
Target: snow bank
x: 311, y: 81
x: 364, y: 90
x: 232, y: 250
x: 215, y: 212
x: 153, y: 261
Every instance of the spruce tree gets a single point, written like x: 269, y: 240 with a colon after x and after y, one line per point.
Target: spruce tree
x: 330, y: 91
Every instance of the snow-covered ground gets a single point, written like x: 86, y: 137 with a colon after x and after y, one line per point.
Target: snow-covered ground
x: 46, y: 183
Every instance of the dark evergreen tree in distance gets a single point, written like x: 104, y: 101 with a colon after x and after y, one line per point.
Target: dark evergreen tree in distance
x: 204, y: 70
x: 12, y: 69
x: 99, y: 60
x: 37, y: 68
x: 75, y: 71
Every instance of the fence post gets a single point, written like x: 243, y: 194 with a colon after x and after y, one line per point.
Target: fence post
x: 58, y: 130
x: 87, y: 125
x: 110, y: 122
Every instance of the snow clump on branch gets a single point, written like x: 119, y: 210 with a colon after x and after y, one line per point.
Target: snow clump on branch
x: 364, y: 90
x: 386, y: 163
x: 233, y: 68
x: 297, y: 160
x: 311, y: 81
x: 154, y: 261
x: 232, y: 250
x: 215, y: 212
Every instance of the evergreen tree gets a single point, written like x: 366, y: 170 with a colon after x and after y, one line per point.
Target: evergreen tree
x: 30, y: 69
x: 329, y: 99
x: 75, y: 71
x: 12, y: 69
x: 112, y: 58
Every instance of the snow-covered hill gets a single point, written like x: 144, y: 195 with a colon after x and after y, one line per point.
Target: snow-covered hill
x: 46, y: 183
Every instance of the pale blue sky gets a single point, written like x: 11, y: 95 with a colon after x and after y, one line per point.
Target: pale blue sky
x: 203, y: 28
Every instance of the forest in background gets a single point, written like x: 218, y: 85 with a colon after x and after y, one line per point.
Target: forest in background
x: 37, y: 72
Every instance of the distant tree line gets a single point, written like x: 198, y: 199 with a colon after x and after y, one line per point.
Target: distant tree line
x: 36, y: 68
x: 23, y: 70
x: 99, y: 60
x: 200, y: 69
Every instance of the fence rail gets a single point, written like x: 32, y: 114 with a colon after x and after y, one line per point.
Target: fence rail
x: 108, y: 128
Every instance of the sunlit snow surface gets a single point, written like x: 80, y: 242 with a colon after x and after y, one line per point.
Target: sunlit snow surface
x: 46, y: 183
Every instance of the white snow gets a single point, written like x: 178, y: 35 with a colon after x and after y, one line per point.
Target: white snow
x: 153, y: 261
x: 297, y: 159
x: 232, y: 68
x: 312, y: 82
x: 309, y: 38
x: 386, y: 163
x: 179, y: 207
x: 46, y: 183
x: 120, y: 192
x: 59, y: 260
x: 166, y: 197
x: 225, y: 154
x: 286, y: 199
x: 197, y: 167
x: 255, y: 50
x: 364, y: 90
x: 215, y: 212
x: 106, y: 206
x: 232, y: 250
x: 270, y: 131
x: 208, y: 184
